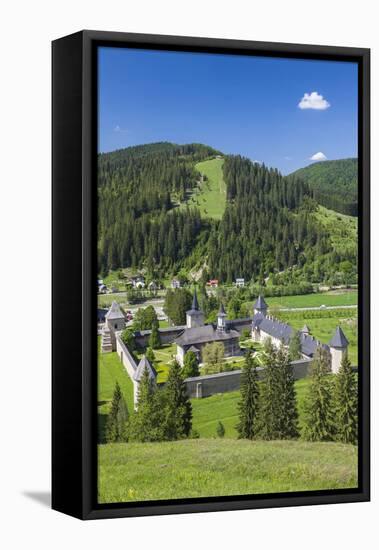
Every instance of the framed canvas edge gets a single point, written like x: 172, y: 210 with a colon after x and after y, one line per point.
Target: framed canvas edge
x: 91, y: 510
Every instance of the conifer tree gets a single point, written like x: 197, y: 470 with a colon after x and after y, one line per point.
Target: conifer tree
x: 220, y: 429
x: 248, y: 405
x: 294, y: 348
x: 288, y: 414
x: 116, y: 427
x: 155, y: 339
x: 178, y: 408
x: 346, y: 403
x: 269, y: 405
x: 150, y: 356
x: 319, y: 420
x: 147, y: 422
x: 191, y: 365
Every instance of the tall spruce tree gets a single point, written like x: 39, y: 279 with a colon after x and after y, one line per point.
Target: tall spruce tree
x: 269, y: 403
x: 346, y: 403
x: 319, y: 413
x: 150, y: 356
x: 178, y: 408
x: 294, y: 348
x: 288, y: 414
x: 147, y: 422
x: 248, y: 404
x: 117, y: 420
x: 155, y: 339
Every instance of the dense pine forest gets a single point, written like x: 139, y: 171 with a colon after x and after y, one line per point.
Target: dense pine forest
x: 269, y: 227
x: 334, y: 184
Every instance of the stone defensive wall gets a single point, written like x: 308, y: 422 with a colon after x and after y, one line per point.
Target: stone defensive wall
x: 210, y: 384
x: 126, y: 357
x: 204, y: 386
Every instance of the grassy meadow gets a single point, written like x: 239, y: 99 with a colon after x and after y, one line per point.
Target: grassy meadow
x: 224, y: 407
x: 333, y: 298
x: 210, y: 196
x: 214, y: 467
x: 210, y: 466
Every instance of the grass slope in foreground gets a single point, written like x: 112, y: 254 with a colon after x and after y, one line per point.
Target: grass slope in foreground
x: 217, y: 467
x: 210, y: 196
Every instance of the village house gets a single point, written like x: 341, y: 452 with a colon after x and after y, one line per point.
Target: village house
x: 138, y: 281
x: 240, y: 282
x: 175, y: 283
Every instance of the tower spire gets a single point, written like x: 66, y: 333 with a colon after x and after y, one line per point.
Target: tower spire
x: 195, y: 303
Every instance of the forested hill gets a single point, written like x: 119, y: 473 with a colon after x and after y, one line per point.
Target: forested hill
x: 334, y: 183
x: 149, y: 220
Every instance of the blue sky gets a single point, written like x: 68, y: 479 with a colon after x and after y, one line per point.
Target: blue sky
x: 278, y: 111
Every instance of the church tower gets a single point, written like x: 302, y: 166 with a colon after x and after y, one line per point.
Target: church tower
x: 195, y: 317
x: 221, y: 318
x: 260, y: 306
x: 338, y: 349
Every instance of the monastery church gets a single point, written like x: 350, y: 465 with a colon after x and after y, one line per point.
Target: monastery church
x: 196, y: 334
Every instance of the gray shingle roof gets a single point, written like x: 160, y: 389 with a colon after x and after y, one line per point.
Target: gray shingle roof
x: 339, y: 340
x: 284, y: 332
x: 201, y: 335
x: 114, y: 312
x: 142, y: 365
x: 260, y: 303
x: 194, y: 349
x: 147, y: 332
x: 305, y: 329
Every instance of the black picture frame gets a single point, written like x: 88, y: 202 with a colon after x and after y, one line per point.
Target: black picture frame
x: 74, y: 360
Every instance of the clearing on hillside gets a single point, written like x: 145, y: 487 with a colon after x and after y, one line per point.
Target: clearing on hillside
x: 210, y: 196
x: 214, y: 467
x: 343, y: 229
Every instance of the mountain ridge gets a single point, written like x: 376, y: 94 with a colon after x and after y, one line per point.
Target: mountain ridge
x: 334, y: 183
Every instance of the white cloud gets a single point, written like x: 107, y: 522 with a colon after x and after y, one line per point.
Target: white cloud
x: 118, y: 128
x: 257, y: 162
x: 313, y: 101
x: 318, y: 156
x: 287, y: 158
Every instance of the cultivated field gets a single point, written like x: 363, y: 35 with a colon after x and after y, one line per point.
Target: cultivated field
x: 214, y: 467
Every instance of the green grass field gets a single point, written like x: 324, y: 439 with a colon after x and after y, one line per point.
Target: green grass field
x: 210, y: 196
x: 333, y: 298
x: 224, y: 407
x: 214, y: 467
x: 163, y: 358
